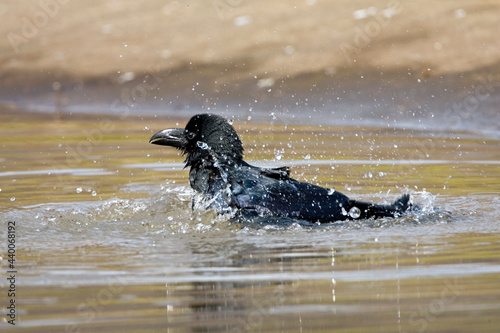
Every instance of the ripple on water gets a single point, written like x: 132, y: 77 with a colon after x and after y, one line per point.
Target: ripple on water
x: 169, y: 211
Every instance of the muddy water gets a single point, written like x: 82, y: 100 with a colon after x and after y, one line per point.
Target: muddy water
x: 107, y: 240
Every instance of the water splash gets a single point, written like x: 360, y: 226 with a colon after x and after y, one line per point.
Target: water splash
x: 278, y: 153
x: 174, y: 209
x: 424, y: 200
x: 202, y: 145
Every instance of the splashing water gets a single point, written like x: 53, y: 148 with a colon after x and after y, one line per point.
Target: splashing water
x: 202, y: 145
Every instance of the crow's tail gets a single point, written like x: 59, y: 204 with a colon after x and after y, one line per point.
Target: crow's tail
x: 365, y: 210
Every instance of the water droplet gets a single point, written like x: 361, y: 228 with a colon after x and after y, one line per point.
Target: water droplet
x: 94, y: 193
x: 202, y: 145
x: 13, y: 199
x: 331, y: 191
x: 307, y: 157
x: 278, y: 154
x: 395, y: 146
x: 355, y: 212
x: 79, y: 190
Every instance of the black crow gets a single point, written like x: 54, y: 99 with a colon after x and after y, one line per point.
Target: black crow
x: 214, y: 154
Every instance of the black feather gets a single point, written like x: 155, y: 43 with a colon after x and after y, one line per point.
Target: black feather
x: 214, y: 153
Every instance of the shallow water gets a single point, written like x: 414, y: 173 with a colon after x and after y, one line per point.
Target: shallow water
x: 107, y: 239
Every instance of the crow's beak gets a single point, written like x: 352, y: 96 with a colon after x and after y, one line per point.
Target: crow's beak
x: 173, y: 137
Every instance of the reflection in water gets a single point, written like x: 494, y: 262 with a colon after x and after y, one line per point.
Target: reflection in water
x: 333, y: 279
x: 238, y: 306
x: 294, y: 304
x: 245, y: 280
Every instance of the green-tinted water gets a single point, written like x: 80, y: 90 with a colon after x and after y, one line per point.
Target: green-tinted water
x: 106, y: 239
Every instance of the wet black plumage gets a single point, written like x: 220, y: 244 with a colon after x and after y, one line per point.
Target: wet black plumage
x: 214, y: 154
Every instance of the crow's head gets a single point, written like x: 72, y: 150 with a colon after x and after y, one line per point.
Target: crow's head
x: 206, y: 138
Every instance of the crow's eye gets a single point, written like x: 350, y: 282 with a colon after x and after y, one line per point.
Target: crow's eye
x: 190, y: 135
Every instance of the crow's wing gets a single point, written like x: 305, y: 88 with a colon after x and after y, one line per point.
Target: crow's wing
x: 276, y: 173
x: 253, y: 189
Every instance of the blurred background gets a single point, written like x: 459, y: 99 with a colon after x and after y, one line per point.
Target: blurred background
x: 426, y: 63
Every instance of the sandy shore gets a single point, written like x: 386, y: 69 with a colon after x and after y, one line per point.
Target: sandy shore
x: 208, y: 53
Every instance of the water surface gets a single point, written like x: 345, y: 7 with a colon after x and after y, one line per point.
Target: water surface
x: 107, y: 239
